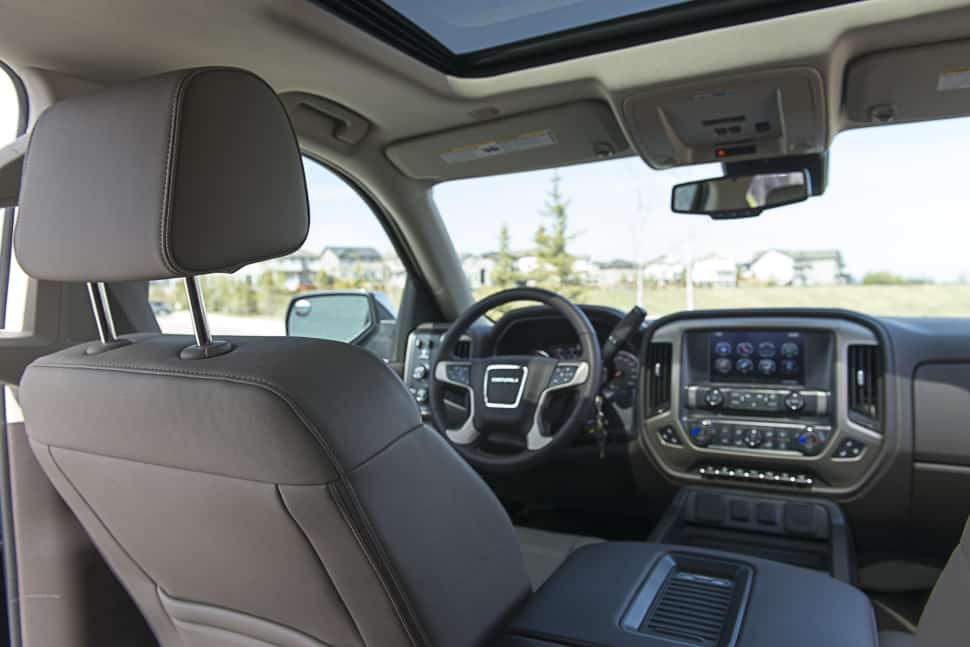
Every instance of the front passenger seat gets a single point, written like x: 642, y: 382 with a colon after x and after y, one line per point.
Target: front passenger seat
x: 946, y: 617
x: 285, y: 492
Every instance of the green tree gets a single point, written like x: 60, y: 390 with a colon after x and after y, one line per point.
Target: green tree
x: 504, y: 274
x: 555, y: 263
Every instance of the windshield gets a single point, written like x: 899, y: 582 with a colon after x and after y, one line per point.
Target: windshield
x: 888, y: 237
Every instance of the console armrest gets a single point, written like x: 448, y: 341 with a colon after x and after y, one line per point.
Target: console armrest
x: 607, y: 594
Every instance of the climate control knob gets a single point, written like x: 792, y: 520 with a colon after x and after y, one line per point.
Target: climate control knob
x: 702, y: 434
x: 420, y: 372
x: 794, y: 401
x: 811, y: 441
x: 714, y: 398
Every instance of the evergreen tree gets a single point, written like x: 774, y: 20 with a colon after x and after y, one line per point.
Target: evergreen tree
x: 504, y: 274
x: 555, y: 264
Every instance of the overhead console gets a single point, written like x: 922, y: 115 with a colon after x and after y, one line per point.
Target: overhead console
x: 750, y: 116
x: 778, y: 402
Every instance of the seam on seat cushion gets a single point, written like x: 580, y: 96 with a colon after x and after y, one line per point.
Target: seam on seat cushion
x: 336, y: 489
x: 169, y: 601
x: 177, y: 467
x: 323, y: 567
x: 385, y: 448
x: 342, y: 484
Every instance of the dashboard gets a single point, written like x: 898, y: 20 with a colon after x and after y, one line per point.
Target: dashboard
x: 865, y: 411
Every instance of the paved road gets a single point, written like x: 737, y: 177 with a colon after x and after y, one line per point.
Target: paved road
x: 179, y: 322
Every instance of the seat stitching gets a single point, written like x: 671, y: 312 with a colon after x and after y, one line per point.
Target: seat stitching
x: 298, y: 412
x: 385, y: 448
x: 323, y: 567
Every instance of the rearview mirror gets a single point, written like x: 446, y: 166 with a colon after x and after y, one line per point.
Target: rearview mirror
x: 350, y: 316
x: 742, y: 196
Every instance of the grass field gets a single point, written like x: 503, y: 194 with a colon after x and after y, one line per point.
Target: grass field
x: 900, y: 300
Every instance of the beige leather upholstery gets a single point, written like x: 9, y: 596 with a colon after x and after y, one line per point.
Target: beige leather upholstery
x: 946, y: 618
x: 284, y: 493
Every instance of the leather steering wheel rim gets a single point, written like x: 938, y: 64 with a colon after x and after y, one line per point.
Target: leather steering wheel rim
x: 448, y: 370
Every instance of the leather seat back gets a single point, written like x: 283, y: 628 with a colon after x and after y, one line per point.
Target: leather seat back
x: 286, y: 492
x: 946, y: 617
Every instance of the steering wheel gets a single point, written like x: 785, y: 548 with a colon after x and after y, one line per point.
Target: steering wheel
x: 507, y: 393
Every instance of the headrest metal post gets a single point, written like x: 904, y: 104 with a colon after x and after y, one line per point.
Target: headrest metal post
x: 102, y: 312
x: 200, y: 324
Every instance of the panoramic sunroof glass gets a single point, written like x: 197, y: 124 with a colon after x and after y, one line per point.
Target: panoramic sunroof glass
x: 465, y: 26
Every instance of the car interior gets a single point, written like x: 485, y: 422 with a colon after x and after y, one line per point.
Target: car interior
x: 488, y: 451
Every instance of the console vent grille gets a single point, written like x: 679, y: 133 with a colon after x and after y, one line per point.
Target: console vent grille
x: 658, y: 377
x: 691, y: 607
x: 463, y: 348
x: 865, y: 384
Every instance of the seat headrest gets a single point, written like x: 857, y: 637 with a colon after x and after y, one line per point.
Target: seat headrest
x: 186, y: 173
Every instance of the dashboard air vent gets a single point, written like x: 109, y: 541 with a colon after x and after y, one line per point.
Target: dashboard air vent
x: 691, y: 607
x: 658, y: 377
x: 865, y: 384
x: 463, y: 348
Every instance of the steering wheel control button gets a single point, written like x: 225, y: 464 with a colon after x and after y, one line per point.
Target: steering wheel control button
x: 849, y: 449
x: 460, y: 373
x: 563, y: 375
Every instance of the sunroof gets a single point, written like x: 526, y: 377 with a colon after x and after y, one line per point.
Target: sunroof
x: 486, y: 37
x: 465, y: 26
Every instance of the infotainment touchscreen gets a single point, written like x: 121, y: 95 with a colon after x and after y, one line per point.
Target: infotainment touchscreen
x: 767, y: 356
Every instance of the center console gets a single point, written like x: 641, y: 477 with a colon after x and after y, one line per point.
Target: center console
x: 659, y: 595
x: 767, y: 401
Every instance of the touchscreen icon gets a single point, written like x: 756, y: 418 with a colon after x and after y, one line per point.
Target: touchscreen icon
x: 745, y: 348
x: 767, y: 367
x: 722, y: 348
x: 745, y: 366
x: 723, y: 366
x: 766, y: 349
x: 789, y: 349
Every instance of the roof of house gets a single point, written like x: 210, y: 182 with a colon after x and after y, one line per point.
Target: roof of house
x: 617, y: 264
x: 802, y: 256
x: 355, y: 254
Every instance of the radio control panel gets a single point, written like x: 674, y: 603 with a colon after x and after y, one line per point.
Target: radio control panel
x: 787, y: 401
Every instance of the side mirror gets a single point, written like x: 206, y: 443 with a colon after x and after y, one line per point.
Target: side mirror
x: 350, y: 316
x: 741, y: 196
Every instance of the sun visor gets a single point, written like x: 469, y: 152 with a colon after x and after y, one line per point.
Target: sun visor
x: 911, y: 84
x: 570, y: 134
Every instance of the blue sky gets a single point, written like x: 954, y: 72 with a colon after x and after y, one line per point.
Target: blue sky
x: 897, y: 200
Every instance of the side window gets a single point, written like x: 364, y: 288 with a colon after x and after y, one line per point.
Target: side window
x: 344, y: 284
x: 12, y: 278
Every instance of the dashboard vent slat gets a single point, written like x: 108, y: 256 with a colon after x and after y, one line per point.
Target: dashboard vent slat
x: 865, y: 384
x: 691, y: 608
x: 659, y: 356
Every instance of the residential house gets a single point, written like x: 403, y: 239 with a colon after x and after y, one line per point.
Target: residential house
x: 298, y: 269
x: 615, y: 272
x: 478, y: 269
x: 663, y: 270
x: 353, y: 263
x: 714, y: 270
x: 792, y: 267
